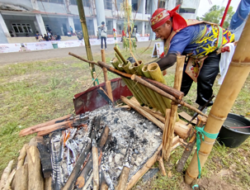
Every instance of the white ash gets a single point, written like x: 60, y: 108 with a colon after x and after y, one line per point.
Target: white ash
x: 146, y: 140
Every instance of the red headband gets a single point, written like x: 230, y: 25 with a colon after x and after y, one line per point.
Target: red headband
x: 160, y: 16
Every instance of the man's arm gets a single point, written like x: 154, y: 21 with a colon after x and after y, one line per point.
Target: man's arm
x: 167, y: 61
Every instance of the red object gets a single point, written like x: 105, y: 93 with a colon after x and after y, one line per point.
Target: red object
x: 123, y: 33
x: 90, y: 99
x: 224, y: 49
x: 162, y: 55
x: 160, y: 16
x: 225, y: 13
x: 114, y: 30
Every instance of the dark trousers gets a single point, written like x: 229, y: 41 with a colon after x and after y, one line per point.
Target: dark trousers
x: 103, y: 39
x: 205, y: 81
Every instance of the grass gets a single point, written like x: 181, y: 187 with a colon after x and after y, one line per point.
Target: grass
x: 38, y: 91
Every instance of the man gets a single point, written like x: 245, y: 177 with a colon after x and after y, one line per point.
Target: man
x: 103, y: 34
x: 199, y: 41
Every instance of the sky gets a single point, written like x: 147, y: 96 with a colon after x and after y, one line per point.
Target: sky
x: 205, y: 5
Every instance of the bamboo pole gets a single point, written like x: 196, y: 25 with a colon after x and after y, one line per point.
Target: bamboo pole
x: 156, y: 74
x: 174, y: 107
x: 105, y: 73
x: 22, y: 156
x: 86, y: 37
x: 235, y: 78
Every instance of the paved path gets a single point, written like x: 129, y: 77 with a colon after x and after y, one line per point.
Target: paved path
x: 18, y: 57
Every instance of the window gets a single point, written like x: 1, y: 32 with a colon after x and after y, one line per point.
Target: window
x: 134, y: 5
x: 86, y: 3
x: 22, y: 28
x: 162, y: 4
x: 186, y: 10
x: 73, y: 2
x: 53, y: 1
x: 108, y: 4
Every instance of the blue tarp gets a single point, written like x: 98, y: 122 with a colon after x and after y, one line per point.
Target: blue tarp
x: 240, y: 15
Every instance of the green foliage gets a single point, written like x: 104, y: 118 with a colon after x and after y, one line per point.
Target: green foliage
x: 215, y: 15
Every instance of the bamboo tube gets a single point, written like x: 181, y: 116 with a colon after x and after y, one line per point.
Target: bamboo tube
x: 156, y: 74
x: 140, y: 92
x: 160, y: 102
x: 115, y: 63
x: 47, y: 183
x: 120, y: 55
x: 152, y: 98
x: 174, y: 107
x: 142, y: 88
x: 235, y: 78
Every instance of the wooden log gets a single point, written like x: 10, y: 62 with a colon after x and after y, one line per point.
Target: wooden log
x: 34, y: 175
x: 103, y: 184
x: 177, y: 94
x: 157, y: 115
x: 30, y: 130
x: 47, y: 183
x: 48, y: 129
x: 235, y: 78
x: 6, y: 174
x: 174, y: 107
x: 45, y: 160
x: 188, y: 149
x: 182, y: 130
x: 7, y: 185
x: 95, y: 166
x: 22, y: 156
x: 21, y: 178
x: 123, y: 179
x: 187, y: 117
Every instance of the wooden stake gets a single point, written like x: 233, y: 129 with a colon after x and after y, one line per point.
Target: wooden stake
x: 165, y: 134
x: 188, y: 149
x: 174, y: 107
x: 34, y: 175
x: 9, y: 180
x: 161, y: 165
x: 107, y: 82
x: 22, y: 156
x: 235, y: 78
x: 95, y: 166
x: 47, y: 183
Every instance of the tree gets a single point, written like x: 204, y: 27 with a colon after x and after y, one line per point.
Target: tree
x: 215, y: 15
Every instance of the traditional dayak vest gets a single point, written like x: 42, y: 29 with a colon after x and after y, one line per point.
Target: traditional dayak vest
x: 215, y: 40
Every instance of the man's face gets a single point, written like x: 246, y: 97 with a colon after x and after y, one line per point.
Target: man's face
x: 163, y: 31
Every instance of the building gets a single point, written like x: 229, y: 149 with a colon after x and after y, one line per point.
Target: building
x: 19, y: 20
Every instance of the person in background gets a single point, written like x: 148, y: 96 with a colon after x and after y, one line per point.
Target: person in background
x: 45, y: 37
x: 49, y: 35
x: 123, y: 34
x: 103, y: 34
x: 37, y: 35
x: 71, y: 30
x: 58, y: 37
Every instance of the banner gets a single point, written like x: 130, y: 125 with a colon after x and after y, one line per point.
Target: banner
x: 6, y: 48
x: 158, y: 49
x: 142, y: 39
x: 36, y: 46
x: 66, y: 44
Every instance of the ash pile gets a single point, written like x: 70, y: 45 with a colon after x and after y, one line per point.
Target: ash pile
x: 123, y: 138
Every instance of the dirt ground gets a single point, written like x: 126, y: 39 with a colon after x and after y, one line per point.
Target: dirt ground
x: 18, y: 57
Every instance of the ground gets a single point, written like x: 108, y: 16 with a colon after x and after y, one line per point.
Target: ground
x: 36, y: 91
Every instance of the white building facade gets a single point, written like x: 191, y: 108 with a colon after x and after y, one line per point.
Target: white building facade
x: 20, y: 20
